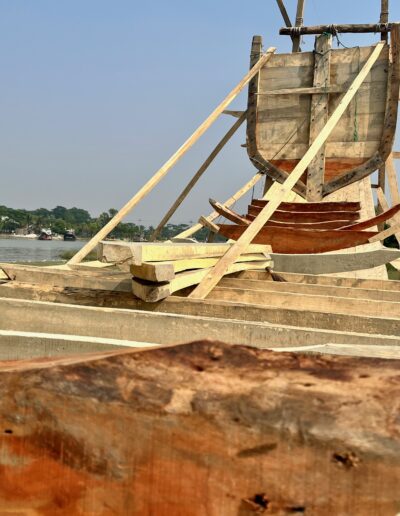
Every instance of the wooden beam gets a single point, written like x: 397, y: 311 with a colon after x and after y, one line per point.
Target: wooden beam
x: 332, y: 263
x: 188, y: 188
x: 154, y: 292
x: 298, y: 24
x: 319, y: 115
x: 138, y: 253
x: 165, y: 271
x: 385, y: 234
x: 323, y: 303
x: 137, y: 320
x: 312, y: 90
x: 333, y: 29
x: 392, y: 181
x: 235, y: 113
x: 229, y: 202
x: 284, y: 14
x: 280, y: 191
x: 396, y: 154
x: 313, y: 279
x: 208, y: 224
x: 148, y: 187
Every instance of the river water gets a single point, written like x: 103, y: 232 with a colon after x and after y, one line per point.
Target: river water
x: 27, y: 250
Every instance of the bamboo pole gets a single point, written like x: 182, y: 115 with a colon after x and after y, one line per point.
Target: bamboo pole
x: 148, y: 187
x: 198, y: 175
x: 214, y: 215
x: 299, y: 23
x: 280, y: 191
x: 333, y: 29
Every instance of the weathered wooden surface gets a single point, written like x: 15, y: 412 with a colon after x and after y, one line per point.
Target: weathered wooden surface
x: 201, y: 429
x: 206, y: 316
x: 279, y: 128
x: 333, y: 263
x: 355, y: 28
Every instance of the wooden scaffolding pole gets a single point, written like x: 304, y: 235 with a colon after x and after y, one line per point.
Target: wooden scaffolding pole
x: 299, y: 23
x: 185, y: 192
x: 148, y: 187
x: 235, y: 197
x: 384, y: 18
x: 280, y: 191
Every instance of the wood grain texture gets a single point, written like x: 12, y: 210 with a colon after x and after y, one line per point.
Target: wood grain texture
x: 168, y: 432
x: 300, y: 241
x: 319, y: 115
x: 307, y: 216
x: 312, y: 206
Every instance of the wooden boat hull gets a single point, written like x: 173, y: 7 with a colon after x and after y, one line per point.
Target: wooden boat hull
x: 281, y: 125
x: 324, y: 216
x: 301, y: 241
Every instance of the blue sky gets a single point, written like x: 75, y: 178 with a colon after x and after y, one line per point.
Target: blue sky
x: 97, y: 94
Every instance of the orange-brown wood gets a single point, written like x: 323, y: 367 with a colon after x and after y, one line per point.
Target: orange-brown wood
x: 379, y: 219
x: 330, y: 224
x: 334, y: 168
x: 325, y: 216
x: 232, y: 216
x: 198, y: 430
x: 301, y: 241
x: 312, y: 206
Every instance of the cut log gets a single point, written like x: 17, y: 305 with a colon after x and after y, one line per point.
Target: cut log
x: 157, y: 430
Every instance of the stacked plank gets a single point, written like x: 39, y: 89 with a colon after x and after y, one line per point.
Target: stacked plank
x: 160, y: 269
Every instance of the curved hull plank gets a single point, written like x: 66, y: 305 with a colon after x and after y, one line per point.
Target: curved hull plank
x: 311, y: 206
x: 334, y: 224
x: 379, y: 219
x: 287, y: 216
x: 280, y: 113
x: 301, y: 241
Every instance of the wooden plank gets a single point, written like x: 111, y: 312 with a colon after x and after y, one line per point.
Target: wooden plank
x: 188, y: 188
x: 280, y: 191
x: 67, y: 278
x: 165, y: 271
x: 319, y: 116
x: 313, y: 279
x: 384, y: 18
x: 156, y: 178
x: 338, y: 206
x: 330, y: 304
x: 138, y: 253
x: 229, y: 202
x: 276, y: 324
x: 333, y: 291
x: 153, y: 292
x: 332, y: 263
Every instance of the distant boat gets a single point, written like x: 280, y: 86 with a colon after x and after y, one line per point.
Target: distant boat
x: 45, y: 234
x: 69, y: 235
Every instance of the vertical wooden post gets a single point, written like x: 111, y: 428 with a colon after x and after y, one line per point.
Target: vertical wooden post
x: 319, y: 115
x: 299, y: 23
x: 392, y: 180
x: 153, y: 181
x: 384, y: 18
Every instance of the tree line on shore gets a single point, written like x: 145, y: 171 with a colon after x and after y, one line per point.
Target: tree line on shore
x: 60, y: 219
